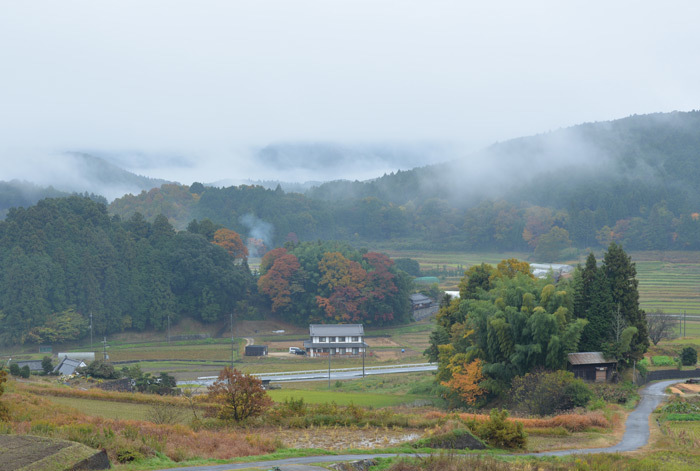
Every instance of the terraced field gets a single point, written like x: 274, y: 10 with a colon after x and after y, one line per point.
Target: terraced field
x: 669, y: 281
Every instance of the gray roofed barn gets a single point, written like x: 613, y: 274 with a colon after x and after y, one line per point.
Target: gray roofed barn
x: 34, y: 365
x: 592, y: 366
x: 67, y: 366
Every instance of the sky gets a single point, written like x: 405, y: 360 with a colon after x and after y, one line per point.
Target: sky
x: 192, y: 90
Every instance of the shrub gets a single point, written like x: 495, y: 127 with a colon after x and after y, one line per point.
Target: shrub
x: 25, y: 372
x: 614, y: 393
x: 14, y: 369
x: 101, y: 369
x: 545, y: 392
x: 689, y: 356
x: 47, y: 365
x: 499, y: 432
x: 662, y: 360
x: 457, y: 439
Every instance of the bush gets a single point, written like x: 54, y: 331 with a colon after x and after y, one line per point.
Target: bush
x: 619, y: 393
x: 458, y: 439
x: 500, y: 432
x: 662, y: 360
x: 689, y: 356
x: 546, y: 392
x: 101, y: 369
x: 24, y: 372
x: 14, y: 369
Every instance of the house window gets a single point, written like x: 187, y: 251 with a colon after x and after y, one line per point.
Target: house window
x: 322, y: 339
x: 356, y: 339
x: 331, y: 339
x: 341, y: 339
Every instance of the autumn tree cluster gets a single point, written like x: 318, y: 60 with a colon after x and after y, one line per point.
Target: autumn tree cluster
x: 334, y: 283
x: 507, y: 323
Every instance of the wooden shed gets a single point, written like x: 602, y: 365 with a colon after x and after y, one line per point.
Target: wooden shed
x: 256, y: 350
x: 592, y: 366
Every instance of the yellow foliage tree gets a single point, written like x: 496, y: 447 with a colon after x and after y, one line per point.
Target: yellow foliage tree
x: 465, y: 381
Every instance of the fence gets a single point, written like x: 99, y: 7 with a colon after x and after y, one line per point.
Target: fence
x: 659, y: 375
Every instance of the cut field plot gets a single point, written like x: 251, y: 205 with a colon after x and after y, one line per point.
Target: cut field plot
x: 343, y: 398
x: 669, y: 281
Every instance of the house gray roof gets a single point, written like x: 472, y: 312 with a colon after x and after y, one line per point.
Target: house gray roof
x: 336, y: 330
x: 588, y: 358
x: 68, y: 366
x: 420, y: 298
x: 34, y: 365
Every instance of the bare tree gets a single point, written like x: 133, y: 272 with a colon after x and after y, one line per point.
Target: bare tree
x: 660, y: 326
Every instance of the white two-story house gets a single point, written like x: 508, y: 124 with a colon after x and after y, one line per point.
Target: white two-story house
x: 336, y: 339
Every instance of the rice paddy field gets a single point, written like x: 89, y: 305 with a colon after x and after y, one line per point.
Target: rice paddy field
x: 669, y: 281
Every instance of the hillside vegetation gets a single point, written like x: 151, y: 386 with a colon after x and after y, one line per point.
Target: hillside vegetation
x: 632, y: 181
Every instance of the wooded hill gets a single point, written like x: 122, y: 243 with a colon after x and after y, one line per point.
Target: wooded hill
x: 633, y: 181
x: 66, y: 259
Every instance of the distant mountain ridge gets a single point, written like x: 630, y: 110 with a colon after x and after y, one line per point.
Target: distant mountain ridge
x: 81, y: 173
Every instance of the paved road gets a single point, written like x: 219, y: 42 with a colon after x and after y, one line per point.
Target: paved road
x: 637, y: 425
x: 636, y: 436
x: 322, y: 375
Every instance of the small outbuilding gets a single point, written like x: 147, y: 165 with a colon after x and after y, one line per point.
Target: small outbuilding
x: 67, y: 366
x: 592, y: 366
x: 256, y: 350
x: 34, y: 365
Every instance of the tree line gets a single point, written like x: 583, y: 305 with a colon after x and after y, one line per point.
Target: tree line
x: 65, y: 263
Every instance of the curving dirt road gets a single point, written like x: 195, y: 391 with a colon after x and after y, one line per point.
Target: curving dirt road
x: 636, y: 436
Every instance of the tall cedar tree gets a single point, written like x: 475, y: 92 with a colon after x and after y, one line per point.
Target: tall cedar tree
x: 621, y: 272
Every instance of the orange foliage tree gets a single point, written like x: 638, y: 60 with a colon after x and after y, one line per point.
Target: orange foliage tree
x: 465, y: 381
x: 232, y: 242
x: 239, y: 395
x: 282, y: 278
x: 343, y: 281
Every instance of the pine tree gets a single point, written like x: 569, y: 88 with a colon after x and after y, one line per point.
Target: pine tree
x: 621, y: 272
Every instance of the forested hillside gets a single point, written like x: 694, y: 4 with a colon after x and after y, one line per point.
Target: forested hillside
x: 66, y: 258
x: 631, y: 181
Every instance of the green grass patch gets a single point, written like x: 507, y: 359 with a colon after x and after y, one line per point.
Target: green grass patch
x: 662, y: 360
x: 692, y: 417
x: 343, y: 398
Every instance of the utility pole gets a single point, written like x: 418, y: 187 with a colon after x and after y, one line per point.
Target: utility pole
x: 104, y: 349
x: 90, y: 329
x: 330, y: 352
x: 168, y: 327
x: 363, y: 359
x: 232, y: 340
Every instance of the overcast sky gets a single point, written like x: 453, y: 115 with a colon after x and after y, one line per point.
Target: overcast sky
x: 203, y: 81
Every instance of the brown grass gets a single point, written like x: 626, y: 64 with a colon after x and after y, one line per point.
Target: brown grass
x: 31, y: 414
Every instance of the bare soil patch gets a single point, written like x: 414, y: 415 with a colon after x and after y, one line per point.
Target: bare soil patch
x: 343, y: 438
x: 259, y: 328
x: 284, y: 345
x: 381, y: 342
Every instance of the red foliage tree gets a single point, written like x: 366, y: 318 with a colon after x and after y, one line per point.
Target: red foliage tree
x: 240, y: 395
x: 281, y: 280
